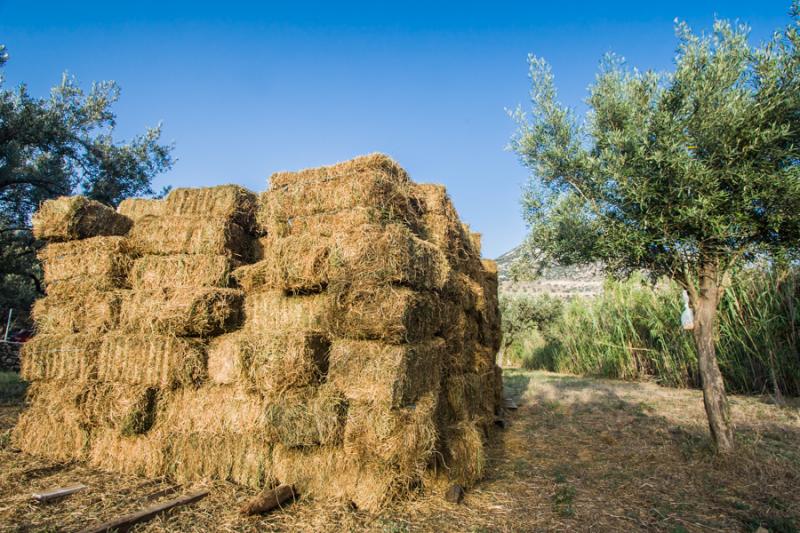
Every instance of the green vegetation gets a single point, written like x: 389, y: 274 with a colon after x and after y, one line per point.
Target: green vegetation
x: 688, y: 174
x: 12, y: 389
x: 60, y: 145
x: 633, y: 331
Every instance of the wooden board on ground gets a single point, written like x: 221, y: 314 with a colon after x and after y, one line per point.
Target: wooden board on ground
x: 54, y: 494
x: 124, y: 523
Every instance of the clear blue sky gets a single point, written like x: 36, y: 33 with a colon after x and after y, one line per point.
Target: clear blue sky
x: 244, y: 90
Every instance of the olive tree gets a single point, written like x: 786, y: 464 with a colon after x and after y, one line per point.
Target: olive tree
x: 686, y: 173
x: 59, y: 145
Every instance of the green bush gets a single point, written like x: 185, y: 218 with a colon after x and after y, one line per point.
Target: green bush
x: 12, y: 388
x: 633, y: 331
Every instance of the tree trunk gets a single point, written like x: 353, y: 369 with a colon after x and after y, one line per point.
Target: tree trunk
x: 705, y: 305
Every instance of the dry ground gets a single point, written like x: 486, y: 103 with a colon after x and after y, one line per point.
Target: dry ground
x: 579, y: 455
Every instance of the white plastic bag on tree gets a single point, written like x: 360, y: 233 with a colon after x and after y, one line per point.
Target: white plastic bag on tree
x: 687, y: 317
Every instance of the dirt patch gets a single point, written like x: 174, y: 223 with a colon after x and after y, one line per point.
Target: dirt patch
x: 579, y: 455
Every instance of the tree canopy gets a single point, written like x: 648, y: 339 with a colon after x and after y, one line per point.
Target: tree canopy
x: 684, y: 173
x: 670, y: 170
x: 58, y: 145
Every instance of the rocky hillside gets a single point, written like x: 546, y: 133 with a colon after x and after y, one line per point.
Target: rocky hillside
x: 555, y: 280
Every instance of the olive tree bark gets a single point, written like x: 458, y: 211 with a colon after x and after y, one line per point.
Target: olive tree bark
x: 705, y: 301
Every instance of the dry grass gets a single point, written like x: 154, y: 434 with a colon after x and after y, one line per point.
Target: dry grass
x: 579, y: 455
x: 71, y: 357
x: 76, y: 217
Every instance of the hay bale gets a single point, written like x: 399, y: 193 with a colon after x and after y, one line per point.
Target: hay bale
x: 277, y: 362
x: 476, y: 239
x: 91, y: 312
x: 375, y: 164
x: 60, y: 358
x: 51, y: 431
x: 403, y: 439
x: 215, y: 432
x: 152, y: 360
x: 329, y: 223
x: 464, y: 454
x: 323, y: 471
x: 140, y: 455
x: 269, y: 363
x: 471, y: 396
x: 273, y: 311
x: 153, y: 272
x: 395, y: 375
x: 171, y: 235
x: 443, y: 227
x: 182, y: 311
x: 93, y: 264
x: 242, y: 458
x: 228, y: 202
x: 68, y: 218
x: 499, y: 391
x: 306, y: 417
x: 362, y: 255
x: 137, y: 208
x: 131, y: 410
x: 396, y: 315
x: 226, y: 355
x: 462, y: 290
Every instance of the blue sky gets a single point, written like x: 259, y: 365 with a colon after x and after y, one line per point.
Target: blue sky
x: 247, y: 89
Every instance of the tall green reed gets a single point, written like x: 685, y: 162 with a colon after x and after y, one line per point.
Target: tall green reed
x: 633, y: 331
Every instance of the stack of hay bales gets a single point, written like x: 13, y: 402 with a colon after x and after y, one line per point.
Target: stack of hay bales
x: 363, y: 364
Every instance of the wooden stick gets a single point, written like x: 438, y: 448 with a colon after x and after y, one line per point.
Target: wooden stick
x: 60, y: 492
x: 124, y: 523
x: 268, y: 499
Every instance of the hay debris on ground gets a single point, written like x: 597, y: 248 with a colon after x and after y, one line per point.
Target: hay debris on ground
x: 69, y: 218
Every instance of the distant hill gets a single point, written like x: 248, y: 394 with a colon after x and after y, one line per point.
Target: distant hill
x: 555, y: 280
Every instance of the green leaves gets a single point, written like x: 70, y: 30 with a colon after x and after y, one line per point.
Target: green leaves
x: 58, y: 145
x: 669, y: 171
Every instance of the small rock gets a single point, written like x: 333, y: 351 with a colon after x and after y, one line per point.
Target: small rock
x: 499, y: 422
x: 455, y: 494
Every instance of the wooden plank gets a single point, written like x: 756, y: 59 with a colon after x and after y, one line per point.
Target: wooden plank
x: 124, y: 523
x: 54, y: 494
x: 268, y: 500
